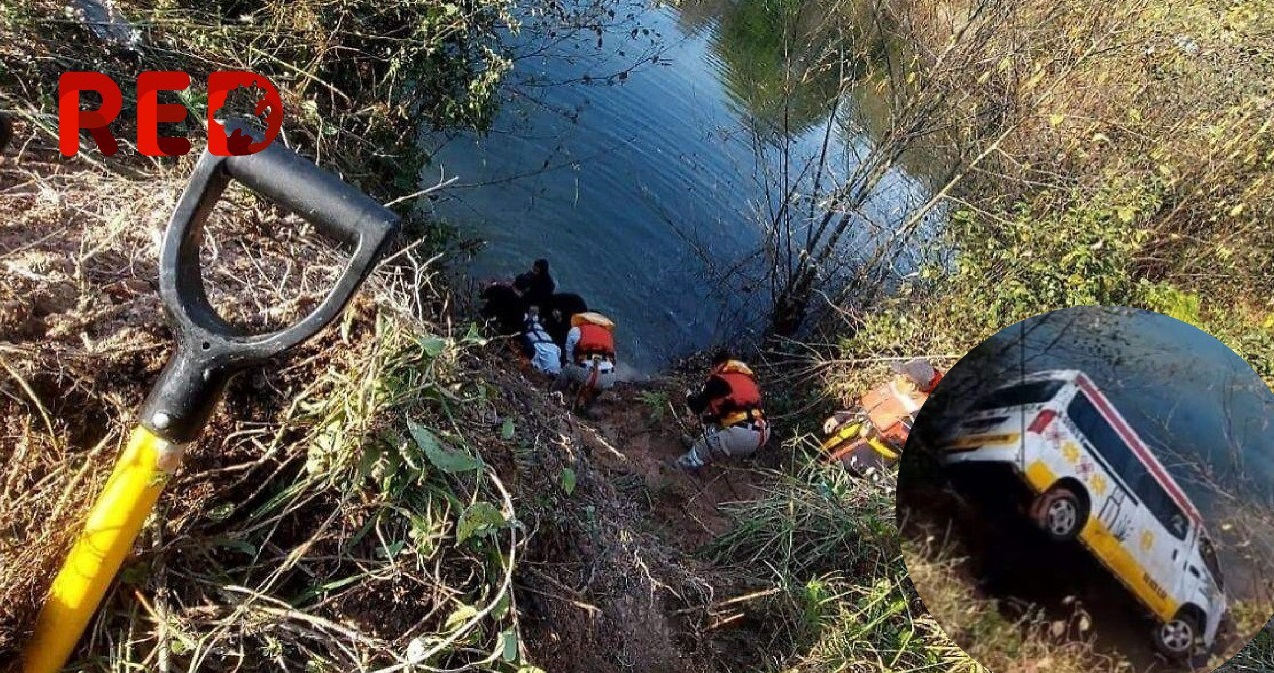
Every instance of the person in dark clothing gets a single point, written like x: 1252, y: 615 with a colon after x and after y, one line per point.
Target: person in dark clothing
x: 502, y: 305
x: 730, y: 407
x: 557, y: 317
x: 536, y: 286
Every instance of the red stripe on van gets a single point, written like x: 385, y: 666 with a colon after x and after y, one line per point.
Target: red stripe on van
x: 1156, y: 468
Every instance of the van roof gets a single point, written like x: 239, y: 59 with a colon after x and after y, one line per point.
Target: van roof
x: 1126, y: 432
x: 1054, y: 375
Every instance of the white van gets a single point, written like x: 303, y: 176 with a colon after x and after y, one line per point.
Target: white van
x: 1095, y: 480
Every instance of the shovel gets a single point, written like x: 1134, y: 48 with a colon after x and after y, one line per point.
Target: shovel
x: 209, y: 351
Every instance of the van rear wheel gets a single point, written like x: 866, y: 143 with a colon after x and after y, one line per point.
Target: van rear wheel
x: 1060, y: 513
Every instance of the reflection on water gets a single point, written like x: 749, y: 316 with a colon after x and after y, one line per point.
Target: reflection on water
x: 635, y: 168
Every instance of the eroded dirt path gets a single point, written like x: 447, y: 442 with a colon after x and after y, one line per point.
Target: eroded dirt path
x: 634, y: 443
x: 616, y: 579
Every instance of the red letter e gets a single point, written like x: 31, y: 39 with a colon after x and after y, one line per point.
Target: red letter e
x: 150, y: 112
x: 97, y: 122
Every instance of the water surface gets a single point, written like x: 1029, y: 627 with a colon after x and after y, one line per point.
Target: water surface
x: 642, y: 168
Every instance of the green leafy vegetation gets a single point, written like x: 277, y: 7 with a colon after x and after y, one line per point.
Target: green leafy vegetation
x: 1135, y: 190
x: 375, y: 501
x: 846, y: 603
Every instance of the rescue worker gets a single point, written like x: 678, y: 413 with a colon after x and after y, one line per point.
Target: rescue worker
x: 544, y: 353
x: 536, y: 286
x: 590, y: 355
x: 872, y: 439
x: 730, y: 407
x: 504, y: 308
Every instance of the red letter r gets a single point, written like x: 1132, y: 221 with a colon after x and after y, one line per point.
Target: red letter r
x: 97, y: 122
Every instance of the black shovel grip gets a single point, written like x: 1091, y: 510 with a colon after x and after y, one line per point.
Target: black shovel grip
x: 209, y: 348
x: 338, y: 210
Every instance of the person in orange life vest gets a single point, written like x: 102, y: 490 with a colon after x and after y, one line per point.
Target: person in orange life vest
x: 889, y: 411
x: 590, y: 354
x: 730, y: 406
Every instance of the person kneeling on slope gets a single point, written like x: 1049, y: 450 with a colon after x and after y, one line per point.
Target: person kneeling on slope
x: 590, y: 355
x: 730, y: 407
x: 544, y: 353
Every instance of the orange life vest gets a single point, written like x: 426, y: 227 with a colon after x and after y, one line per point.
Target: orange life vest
x: 596, y: 336
x: 744, y: 399
x: 892, y: 407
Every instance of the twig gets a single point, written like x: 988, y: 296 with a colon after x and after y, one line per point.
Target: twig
x: 731, y: 601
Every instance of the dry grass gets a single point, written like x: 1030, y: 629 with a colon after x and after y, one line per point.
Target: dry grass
x: 1165, y: 118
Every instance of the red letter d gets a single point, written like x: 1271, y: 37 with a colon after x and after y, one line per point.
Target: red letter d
x: 219, y: 86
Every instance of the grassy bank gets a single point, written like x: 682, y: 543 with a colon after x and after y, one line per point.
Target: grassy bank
x: 396, y: 496
x: 1135, y: 173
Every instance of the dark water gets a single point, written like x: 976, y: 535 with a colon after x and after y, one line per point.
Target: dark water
x: 1200, y: 407
x: 642, y: 167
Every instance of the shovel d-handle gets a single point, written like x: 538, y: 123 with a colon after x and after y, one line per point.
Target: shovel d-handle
x: 210, y: 349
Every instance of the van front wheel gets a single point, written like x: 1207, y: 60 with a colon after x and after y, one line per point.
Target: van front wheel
x: 1178, y: 638
x: 1060, y: 513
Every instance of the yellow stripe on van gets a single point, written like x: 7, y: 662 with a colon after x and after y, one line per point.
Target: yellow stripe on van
x: 1116, y: 556
x: 982, y: 440
x: 1112, y: 553
x: 1039, y: 476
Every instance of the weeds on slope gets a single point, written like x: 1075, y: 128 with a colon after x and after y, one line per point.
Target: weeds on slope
x: 828, y: 541
x: 348, y: 523
x: 994, y: 641
x: 1257, y: 656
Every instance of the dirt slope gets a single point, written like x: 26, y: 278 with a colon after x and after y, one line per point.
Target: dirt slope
x: 631, y: 595
x: 635, y: 443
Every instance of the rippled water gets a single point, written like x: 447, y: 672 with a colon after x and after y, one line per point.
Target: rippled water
x: 636, y: 185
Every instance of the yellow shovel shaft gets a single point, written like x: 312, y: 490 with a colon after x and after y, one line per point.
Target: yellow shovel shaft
x: 112, y: 527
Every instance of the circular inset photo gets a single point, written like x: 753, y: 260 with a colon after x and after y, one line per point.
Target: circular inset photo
x: 1090, y: 489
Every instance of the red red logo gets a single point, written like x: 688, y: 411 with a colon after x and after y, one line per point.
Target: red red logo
x: 150, y: 112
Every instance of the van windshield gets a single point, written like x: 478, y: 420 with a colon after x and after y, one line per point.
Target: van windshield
x: 1208, y: 552
x: 1035, y: 392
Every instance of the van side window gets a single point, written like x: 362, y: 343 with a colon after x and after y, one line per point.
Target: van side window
x: 1106, y: 441
x: 1165, y: 510
x: 1126, y: 464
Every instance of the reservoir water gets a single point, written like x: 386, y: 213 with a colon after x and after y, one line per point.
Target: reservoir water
x: 642, y: 161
